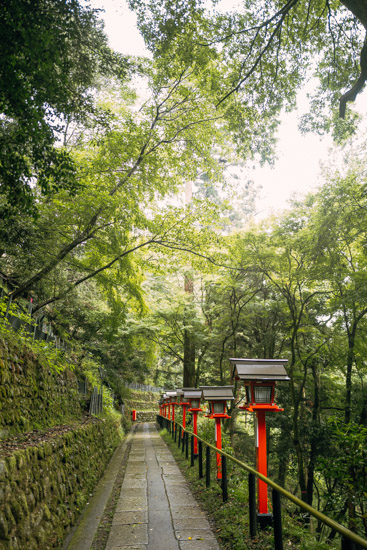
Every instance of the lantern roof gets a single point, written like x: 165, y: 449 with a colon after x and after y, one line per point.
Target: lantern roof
x: 179, y: 392
x: 192, y: 393
x: 217, y: 393
x: 171, y: 394
x: 259, y: 369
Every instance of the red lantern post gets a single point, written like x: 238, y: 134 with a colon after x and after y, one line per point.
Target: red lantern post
x: 173, y: 398
x: 259, y: 377
x: 184, y: 404
x: 217, y: 396
x: 192, y: 397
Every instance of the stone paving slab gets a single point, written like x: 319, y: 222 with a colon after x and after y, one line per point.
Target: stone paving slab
x: 134, y: 483
x: 140, y: 492
x: 190, y: 523
x: 187, y: 512
x: 127, y: 517
x: 199, y: 545
x: 171, y: 484
x: 127, y: 535
x: 181, y: 500
x: 131, y: 504
x: 195, y: 534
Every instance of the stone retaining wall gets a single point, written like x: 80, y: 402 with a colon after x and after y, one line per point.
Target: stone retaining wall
x: 33, y: 396
x: 43, y: 488
x: 146, y: 416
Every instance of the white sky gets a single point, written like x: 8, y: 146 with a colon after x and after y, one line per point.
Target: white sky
x: 297, y: 167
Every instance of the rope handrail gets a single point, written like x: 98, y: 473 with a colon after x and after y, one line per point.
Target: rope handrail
x: 315, y: 513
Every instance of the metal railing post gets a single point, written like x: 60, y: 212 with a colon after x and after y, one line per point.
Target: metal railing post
x: 179, y: 437
x: 277, y: 521
x: 192, y: 451
x: 207, y: 467
x: 252, y: 504
x: 224, y: 479
x: 200, y: 459
x: 347, y: 544
x: 187, y: 445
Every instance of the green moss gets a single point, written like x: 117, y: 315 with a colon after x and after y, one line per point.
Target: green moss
x: 11, y: 464
x: 46, y: 512
x: 17, y: 510
x: 9, y: 517
x: 3, y: 469
x: 4, y: 529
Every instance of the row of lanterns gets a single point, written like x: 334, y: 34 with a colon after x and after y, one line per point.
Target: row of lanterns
x: 259, y: 377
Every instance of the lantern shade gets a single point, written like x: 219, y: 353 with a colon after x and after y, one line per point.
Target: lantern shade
x: 192, y: 393
x: 217, y: 393
x: 263, y: 394
x: 180, y: 394
x: 259, y: 369
x: 171, y: 395
x: 219, y: 407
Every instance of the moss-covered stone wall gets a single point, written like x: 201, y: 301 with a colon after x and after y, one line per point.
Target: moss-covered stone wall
x: 33, y: 396
x: 44, y: 487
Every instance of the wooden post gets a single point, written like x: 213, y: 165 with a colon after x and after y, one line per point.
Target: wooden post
x: 277, y: 521
x: 252, y: 504
x: 207, y: 467
x: 224, y: 479
x: 200, y: 459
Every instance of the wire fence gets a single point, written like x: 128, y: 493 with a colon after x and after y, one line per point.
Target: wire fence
x: 19, y: 316
x: 143, y: 387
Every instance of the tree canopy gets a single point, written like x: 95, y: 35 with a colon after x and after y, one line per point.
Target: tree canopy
x: 52, y: 54
x: 264, y: 52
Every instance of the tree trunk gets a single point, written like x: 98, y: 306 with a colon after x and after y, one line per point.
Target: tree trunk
x: 314, y: 434
x: 348, y: 380
x: 189, y: 343
x: 189, y: 338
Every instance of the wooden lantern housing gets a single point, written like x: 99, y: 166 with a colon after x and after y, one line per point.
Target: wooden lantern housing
x: 217, y: 397
x: 259, y: 377
x: 193, y: 397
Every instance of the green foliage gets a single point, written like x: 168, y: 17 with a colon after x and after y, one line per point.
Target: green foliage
x: 49, y: 356
x: 343, y: 467
x: 53, y: 53
x: 253, y: 59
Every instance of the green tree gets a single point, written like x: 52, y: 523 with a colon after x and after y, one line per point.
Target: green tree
x: 52, y: 54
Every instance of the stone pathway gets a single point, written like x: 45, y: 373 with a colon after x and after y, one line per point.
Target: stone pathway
x: 156, y: 510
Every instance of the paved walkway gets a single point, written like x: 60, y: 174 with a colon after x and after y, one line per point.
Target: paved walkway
x: 156, y: 510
